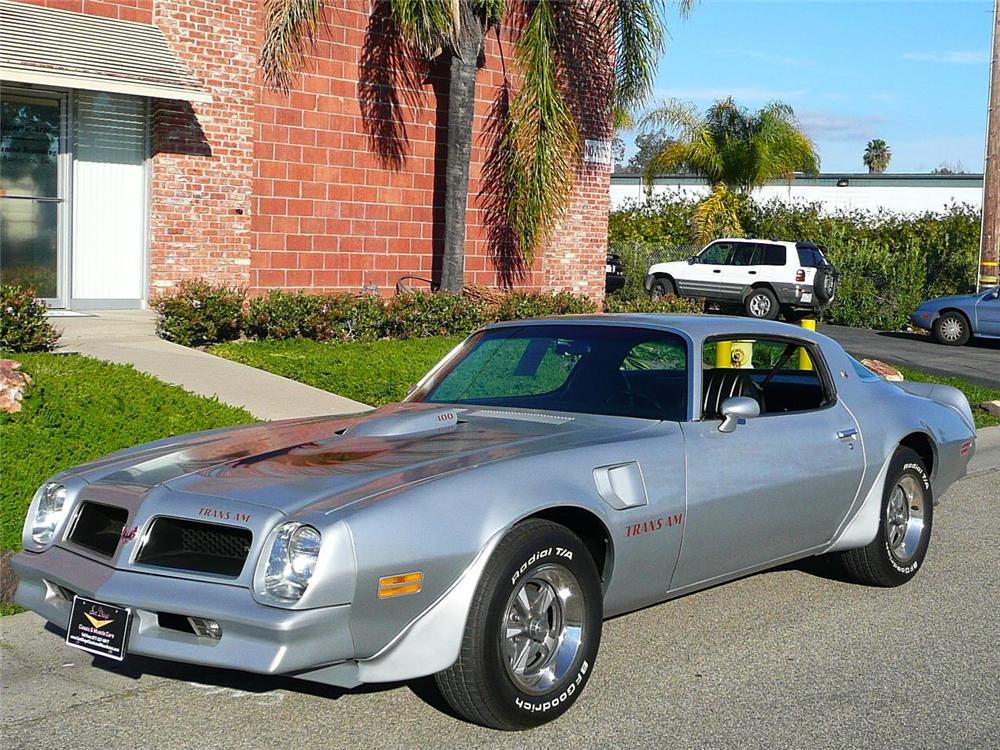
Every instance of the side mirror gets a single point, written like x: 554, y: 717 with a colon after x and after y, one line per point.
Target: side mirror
x: 692, y: 260
x: 736, y: 408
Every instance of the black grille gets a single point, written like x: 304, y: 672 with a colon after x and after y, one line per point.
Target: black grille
x: 193, y: 545
x: 99, y: 527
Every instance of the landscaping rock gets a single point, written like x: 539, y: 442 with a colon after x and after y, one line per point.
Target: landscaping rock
x: 886, y: 371
x: 12, y: 385
x: 993, y: 407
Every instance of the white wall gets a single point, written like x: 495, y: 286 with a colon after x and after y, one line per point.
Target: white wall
x: 898, y: 195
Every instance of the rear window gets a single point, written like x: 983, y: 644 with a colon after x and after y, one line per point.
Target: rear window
x: 812, y: 257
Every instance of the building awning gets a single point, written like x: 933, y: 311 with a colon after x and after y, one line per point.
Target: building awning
x: 54, y: 47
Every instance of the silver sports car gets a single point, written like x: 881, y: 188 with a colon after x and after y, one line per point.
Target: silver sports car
x: 544, y: 476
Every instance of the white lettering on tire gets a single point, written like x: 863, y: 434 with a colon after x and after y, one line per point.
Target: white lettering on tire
x: 547, y: 705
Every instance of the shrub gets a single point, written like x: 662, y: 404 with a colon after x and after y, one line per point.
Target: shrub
x: 200, y: 313
x: 24, y: 326
x: 287, y: 315
x: 422, y: 314
x: 520, y: 305
x: 643, y: 303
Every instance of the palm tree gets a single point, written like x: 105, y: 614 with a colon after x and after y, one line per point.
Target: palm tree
x: 735, y: 149
x: 541, y: 138
x: 877, y: 156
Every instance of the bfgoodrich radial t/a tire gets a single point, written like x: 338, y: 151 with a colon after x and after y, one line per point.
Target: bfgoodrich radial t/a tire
x: 533, y: 631
x: 904, y: 529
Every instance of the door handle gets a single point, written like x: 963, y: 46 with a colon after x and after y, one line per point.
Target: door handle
x: 752, y: 273
x: 716, y: 270
x: 849, y: 434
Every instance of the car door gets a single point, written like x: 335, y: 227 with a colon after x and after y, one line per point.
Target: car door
x: 988, y: 314
x: 740, y: 271
x: 703, y: 275
x: 780, y: 484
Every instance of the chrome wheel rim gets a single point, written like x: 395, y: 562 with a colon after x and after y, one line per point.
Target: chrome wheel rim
x: 951, y: 329
x: 904, y: 518
x: 542, y: 631
x: 760, y: 305
x: 657, y: 291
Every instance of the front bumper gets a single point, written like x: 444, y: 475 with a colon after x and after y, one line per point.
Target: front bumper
x: 255, y: 637
x: 923, y: 319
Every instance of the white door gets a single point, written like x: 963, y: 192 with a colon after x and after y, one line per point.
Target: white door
x: 703, y: 277
x: 109, y: 201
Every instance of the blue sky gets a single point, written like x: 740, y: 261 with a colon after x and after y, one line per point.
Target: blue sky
x: 915, y: 74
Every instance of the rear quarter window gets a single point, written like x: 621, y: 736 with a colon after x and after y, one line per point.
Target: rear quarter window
x: 771, y: 255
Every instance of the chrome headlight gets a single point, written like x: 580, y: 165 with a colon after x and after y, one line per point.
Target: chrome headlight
x: 291, y: 561
x: 49, y: 513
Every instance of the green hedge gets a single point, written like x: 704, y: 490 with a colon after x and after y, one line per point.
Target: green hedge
x: 889, y: 262
x: 202, y: 313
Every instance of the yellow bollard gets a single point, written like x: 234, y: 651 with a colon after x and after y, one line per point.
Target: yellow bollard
x: 723, y: 353
x: 804, y: 362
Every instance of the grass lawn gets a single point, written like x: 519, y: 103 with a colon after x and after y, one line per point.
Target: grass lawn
x: 78, y: 409
x: 372, y: 372
x: 976, y: 394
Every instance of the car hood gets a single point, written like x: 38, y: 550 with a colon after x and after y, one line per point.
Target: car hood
x: 328, y: 462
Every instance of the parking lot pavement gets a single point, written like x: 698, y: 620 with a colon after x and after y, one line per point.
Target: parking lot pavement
x: 978, y: 362
x: 787, y: 659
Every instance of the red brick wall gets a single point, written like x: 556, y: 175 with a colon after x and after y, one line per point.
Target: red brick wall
x: 202, y: 164
x: 333, y: 210
x: 125, y: 10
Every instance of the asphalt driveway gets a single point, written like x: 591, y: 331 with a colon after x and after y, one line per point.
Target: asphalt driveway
x: 978, y: 362
x: 793, y: 658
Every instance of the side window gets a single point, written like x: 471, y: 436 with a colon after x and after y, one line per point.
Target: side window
x: 772, y: 255
x: 717, y: 254
x: 655, y: 355
x: 779, y: 374
x: 743, y: 255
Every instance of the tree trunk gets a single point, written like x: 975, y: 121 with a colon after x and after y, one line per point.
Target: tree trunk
x: 461, y: 107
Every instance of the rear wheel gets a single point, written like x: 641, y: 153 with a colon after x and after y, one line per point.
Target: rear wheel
x: 762, y: 304
x: 532, y: 633
x: 663, y: 287
x: 904, y: 529
x: 952, y: 329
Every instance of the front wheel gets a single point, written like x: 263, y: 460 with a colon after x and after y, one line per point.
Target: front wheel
x: 952, y: 329
x: 904, y: 529
x: 662, y: 287
x: 532, y: 633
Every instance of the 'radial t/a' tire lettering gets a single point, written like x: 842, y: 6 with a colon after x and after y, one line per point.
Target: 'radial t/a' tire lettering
x: 533, y: 631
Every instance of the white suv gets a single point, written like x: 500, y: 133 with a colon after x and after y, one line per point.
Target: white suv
x: 763, y: 277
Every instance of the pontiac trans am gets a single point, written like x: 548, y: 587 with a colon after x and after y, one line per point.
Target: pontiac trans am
x: 544, y: 476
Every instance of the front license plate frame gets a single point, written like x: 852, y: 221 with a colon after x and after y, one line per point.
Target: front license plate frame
x: 99, y: 628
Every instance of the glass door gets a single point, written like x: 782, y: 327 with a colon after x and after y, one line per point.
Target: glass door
x: 32, y: 145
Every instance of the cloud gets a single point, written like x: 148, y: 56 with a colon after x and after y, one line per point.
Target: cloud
x: 959, y: 57
x: 740, y: 94
x: 833, y: 126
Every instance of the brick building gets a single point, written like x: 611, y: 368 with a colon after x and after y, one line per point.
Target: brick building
x: 139, y: 148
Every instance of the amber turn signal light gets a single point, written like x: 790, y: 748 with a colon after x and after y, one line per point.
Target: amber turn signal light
x: 398, y: 585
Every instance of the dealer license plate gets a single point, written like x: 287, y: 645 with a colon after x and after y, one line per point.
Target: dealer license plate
x: 98, y: 628
x: 807, y: 297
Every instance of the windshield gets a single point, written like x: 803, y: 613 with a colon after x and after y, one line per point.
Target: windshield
x: 613, y: 370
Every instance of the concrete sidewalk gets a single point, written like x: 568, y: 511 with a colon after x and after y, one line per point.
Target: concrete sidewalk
x: 128, y: 337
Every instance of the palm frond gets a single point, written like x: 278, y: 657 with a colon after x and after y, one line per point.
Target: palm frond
x: 494, y: 11
x: 718, y: 215
x: 427, y: 25
x: 543, y: 140
x: 639, y: 32
x: 289, y: 29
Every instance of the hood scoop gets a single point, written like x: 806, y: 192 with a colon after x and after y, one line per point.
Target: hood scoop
x: 405, y: 423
